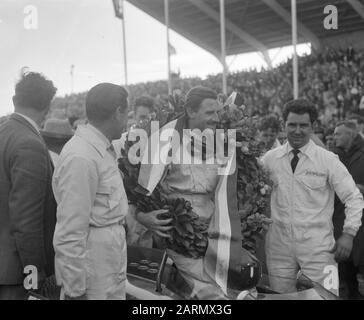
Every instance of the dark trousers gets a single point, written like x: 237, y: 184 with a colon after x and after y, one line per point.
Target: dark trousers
x: 12, y: 292
x: 348, y: 281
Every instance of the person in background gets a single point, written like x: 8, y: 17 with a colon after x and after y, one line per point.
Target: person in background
x: 27, y: 205
x: 282, y: 137
x: 56, y: 133
x: 143, y: 108
x: 269, y: 128
x: 329, y: 140
x: 359, y: 122
x: 320, y: 133
x: 305, y: 178
x: 351, y: 271
x: 138, y: 234
x: 89, y: 239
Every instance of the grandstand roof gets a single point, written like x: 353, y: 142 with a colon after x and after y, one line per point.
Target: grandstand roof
x: 254, y: 25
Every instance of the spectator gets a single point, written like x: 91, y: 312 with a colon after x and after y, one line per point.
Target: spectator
x: 359, y: 122
x: 269, y: 128
x: 352, y: 156
x: 329, y: 140
x: 27, y: 206
x: 143, y: 108
x: 282, y: 137
x: 55, y: 134
x: 331, y: 80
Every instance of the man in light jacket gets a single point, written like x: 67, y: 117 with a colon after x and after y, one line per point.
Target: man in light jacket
x: 305, y: 178
x: 89, y: 239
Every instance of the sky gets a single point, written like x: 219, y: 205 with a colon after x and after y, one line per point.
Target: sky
x: 49, y: 36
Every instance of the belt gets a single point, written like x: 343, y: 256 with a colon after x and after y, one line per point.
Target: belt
x: 120, y: 223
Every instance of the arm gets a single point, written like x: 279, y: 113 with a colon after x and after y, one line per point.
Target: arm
x: 75, y: 185
x: 349, y: 194
x: 26, y: 203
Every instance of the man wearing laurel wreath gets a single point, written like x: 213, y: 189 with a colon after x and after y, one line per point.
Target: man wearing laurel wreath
x: 211, y: 196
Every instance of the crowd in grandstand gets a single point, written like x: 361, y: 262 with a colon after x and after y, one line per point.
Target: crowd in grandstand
x: 333, y: 80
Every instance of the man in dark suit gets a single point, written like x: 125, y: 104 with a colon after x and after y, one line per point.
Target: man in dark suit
x: 350, y: 148
x: 27, y: 205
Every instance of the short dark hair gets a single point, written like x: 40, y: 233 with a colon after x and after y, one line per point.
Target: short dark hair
x: 196, y: 95
x: 319, y: 130
x: 144, y: 101
x: 356, y: 117
x: 348, y: 124
x: 34, y: 91
x: 103, y: 99
x: 270, y: 121
x: 300, y: 106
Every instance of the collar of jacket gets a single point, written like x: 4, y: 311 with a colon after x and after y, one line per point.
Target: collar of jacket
x: 286, y: 148
x: 358, y: 144
x: 356, y: 149
x: 94, y: 137
x: 24, y: 121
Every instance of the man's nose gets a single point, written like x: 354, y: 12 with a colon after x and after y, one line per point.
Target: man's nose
x: 297, y: 129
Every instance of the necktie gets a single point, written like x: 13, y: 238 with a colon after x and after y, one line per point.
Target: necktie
x: 295, y: 159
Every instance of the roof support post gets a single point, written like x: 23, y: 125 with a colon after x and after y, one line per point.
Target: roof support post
x: 235, y: 29
x: 358, y: 7
x: 301, y: 28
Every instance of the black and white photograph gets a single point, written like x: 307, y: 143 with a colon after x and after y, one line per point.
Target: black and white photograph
x: 184, y: 153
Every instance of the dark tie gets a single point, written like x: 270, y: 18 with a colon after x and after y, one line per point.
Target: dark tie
x: 295, y: 159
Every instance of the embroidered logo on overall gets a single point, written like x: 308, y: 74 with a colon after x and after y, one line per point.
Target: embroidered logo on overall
x: 315, y: 173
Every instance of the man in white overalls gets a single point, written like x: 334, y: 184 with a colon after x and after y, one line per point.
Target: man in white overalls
x: 89, y: 239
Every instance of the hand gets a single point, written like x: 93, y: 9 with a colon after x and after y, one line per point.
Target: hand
x: 343, y: 247
x: 158, y: 226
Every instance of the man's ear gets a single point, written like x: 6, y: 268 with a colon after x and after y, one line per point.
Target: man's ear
x: 117, y: 113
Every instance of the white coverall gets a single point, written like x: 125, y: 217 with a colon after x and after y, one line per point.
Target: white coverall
x: 89, y: 239
x: 302, y: 205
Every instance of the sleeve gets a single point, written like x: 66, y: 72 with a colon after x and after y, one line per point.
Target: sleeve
x: 29, y: 178
x: 75, y: 185
x: 347, y: 191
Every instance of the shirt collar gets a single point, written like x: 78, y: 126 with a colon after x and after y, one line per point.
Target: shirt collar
x: 308, y: 149
x: 31, y: 121
x: 94, y: 137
